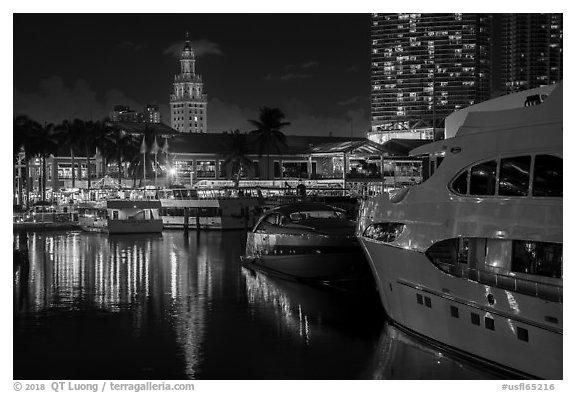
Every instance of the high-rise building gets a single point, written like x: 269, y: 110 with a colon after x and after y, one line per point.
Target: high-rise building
x: 531, y: 46
x: 188, y: 103
x: 424, y: 67
x: 151, y: 114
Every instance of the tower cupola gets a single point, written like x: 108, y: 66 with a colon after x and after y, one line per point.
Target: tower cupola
x: 187, y: 61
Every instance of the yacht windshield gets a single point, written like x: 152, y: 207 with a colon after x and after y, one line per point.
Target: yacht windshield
x: 305, y: 215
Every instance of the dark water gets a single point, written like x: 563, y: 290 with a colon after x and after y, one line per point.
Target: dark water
x: 93, y: 306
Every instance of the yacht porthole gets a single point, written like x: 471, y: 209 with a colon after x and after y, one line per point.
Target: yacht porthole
x: 491, y: 299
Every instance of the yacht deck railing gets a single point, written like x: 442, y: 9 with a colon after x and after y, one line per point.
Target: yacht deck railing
x: 542, y: 290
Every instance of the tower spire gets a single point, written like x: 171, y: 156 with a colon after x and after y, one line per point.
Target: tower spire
x: 187, y: 51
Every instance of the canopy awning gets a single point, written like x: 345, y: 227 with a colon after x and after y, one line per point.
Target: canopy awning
x: 361, y: 147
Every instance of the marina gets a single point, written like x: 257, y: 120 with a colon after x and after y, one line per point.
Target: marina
x: 464, y: 270
x: 207, y: 201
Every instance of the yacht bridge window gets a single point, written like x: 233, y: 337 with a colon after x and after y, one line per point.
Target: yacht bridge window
x: 483, y: 178
x: 547, y: 176
x: 271, y: 220
x: 518, y: 176
x: 514, y: 178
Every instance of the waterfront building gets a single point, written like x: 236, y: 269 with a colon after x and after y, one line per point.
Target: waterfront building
x: 350, y: 163
x: 197, y: 157
x: 188, y: 103
x: 424, y: 67
x: 531, y: 51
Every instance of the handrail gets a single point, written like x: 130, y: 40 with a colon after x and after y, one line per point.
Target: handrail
x: 525, y: 286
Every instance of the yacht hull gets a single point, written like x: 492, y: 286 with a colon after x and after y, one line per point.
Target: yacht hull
x: 512, y: 332
x: 312, y: 266
x: 134, y: 226
x: 121, y: 226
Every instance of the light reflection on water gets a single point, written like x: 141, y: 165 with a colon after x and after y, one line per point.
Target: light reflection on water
x: 92, y: 306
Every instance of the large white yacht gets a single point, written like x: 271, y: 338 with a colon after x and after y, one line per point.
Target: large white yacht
x: 472, y: 257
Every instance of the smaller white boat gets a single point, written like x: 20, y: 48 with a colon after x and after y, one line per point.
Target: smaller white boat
x: 305, y: 241
x: 121, y: 216
x: 214, y: 211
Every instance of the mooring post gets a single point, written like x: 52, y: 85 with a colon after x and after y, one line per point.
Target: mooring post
x: 198, y: 222
x: 186, y: 220
x: 23, y: 241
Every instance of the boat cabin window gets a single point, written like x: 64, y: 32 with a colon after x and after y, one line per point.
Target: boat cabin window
x: 483, y: 178
x: 538, y: 258
x: 530, y: 267
x: 547, y: 176
x: 272, y: 219
x: 514, y: 177
x: 178, y: 193
x: 305, y: 215
x: 460, y: 185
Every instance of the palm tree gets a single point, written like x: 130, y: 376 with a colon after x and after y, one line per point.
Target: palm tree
x: 68, y: 134
x: 120, y: 144
x: 268, y: 134
x: 134, y: 159
x: 42, y: 143
x: 236, y: 159
x: 89, y: 137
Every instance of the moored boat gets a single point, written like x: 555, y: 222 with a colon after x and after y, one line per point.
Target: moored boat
x: 305, y: 240
x: 472, y: 258
x: 118, y: 216
x: 213, y: 211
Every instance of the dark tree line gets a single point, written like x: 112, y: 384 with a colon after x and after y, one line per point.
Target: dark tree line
x: 79, y: 138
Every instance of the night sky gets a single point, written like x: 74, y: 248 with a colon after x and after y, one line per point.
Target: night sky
x: 314, y: 67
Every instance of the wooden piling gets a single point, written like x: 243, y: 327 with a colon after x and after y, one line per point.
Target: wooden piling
x: 186, y: 220
x: 23, y: 240
x: 197, y: 222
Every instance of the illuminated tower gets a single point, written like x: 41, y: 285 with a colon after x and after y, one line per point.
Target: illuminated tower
x: 188, y: 103
x: 531, y: 50
x: 424, y: 67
